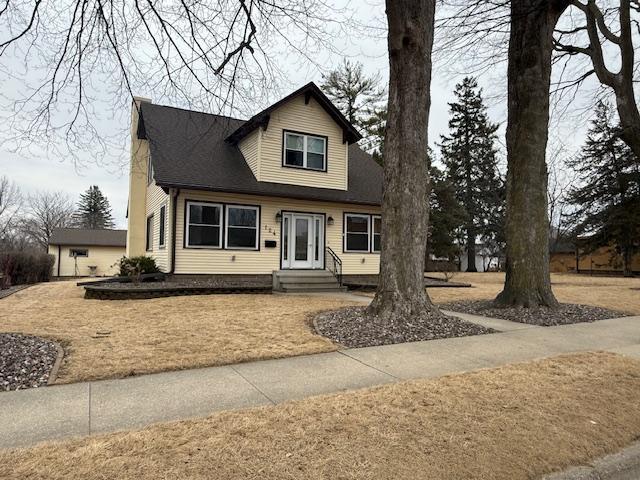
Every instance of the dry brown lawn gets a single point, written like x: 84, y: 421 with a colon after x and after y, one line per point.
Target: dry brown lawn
x: 512, y: 423
x: 616, y: 293
x: 162, y: 334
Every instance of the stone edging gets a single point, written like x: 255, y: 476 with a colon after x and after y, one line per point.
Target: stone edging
x: 53, y: 374
x: 623, y: 465
x: 15, y: 289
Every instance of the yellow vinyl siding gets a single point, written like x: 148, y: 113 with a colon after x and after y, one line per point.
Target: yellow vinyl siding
x: 137, y: 187
x: 266, y: 260
x: 250, y: 148
x: 308, y: 118
x: 105, y: 258
x: 156, y: 198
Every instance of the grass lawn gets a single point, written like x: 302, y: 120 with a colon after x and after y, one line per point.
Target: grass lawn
x: 511, y: 423
x: 162, y: 334
x: 616, y: 293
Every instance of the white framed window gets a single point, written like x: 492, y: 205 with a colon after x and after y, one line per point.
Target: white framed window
x: 357, y: 232
x: 241, y: 229
x: 376, y: 229
x: 204, y: 225
x: 162, y: 228
x: 149, y: 234
x: 78, y: 252
x: 305, y: 151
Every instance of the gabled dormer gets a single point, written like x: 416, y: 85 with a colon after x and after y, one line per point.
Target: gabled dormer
x: 301, y: 140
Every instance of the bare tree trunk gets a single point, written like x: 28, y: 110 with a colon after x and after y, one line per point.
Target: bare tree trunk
x: 471, y: 250
x: 405, y: 205
x: 528, y: 282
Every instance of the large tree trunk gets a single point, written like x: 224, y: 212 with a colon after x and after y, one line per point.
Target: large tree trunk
x: 405, y: 205
x: 528, y: 282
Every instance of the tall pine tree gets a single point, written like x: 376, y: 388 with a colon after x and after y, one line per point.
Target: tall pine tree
x: 607, y: 201
x: 470, y: 157
x: 94, y: 210
x: 359, y: 97
x: 447, y: 216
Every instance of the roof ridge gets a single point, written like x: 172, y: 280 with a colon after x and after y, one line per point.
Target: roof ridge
x: 198, y: 111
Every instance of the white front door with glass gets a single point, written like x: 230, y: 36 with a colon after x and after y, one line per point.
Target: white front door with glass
x: 302, y: 241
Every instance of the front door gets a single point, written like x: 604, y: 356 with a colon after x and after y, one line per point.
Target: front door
x: 303, y: 241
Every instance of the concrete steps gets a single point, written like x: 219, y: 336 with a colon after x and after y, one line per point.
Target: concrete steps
x: 300, y: 281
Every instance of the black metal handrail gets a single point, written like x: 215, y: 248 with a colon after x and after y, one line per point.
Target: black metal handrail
x: 334, y: 264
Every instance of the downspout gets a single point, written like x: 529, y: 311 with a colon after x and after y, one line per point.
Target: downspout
x: 58, y: 260
x: 174, y: 209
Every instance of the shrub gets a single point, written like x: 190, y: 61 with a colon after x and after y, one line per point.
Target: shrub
x: 134, y: 267
x: 19, y: 268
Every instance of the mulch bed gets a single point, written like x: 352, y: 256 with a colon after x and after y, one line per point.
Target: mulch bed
x: 370, y: 282
x: 565, y: 314
x: 179, y: 286
x: 350, y: 327
x: 25, y: 361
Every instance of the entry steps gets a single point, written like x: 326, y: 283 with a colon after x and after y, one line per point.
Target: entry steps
x: 297, y: 281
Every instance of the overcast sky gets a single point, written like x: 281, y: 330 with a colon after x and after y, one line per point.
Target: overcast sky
x: 35, y: 170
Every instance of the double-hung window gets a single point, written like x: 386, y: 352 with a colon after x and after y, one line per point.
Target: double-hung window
x: 149, y: 234
x: 242, y: 227
x: 305, y: 151
x: 163, y: 217
x: 376, y: 229
x: 357, y: 230
x: 204, y: 225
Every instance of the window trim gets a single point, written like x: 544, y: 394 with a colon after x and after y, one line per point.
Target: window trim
x: 346, y: 233
x: 148, y: 246
x: 256, y: 208
x: 187, y: 204
x: 373, y: 233
x: 370, y: 216
x: 304, y: 154
x: 162, y: 227
x: 78, y: 256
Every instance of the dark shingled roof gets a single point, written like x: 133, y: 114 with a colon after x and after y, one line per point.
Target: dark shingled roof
x: 87, y: 237
x: 188, y: 150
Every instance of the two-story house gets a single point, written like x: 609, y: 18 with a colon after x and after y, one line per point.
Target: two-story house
x: 288, y: 189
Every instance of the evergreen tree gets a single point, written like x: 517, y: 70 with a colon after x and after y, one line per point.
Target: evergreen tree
x: 446, y: 218
x: 607, y: 201
x: 359, y: 98
x: 94, y: 210
x: 470, y: 158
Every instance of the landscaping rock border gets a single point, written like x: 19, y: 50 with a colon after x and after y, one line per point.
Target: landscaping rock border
x: 350, y: 328
x: 565, y: 314
x: 11, y: 290
x: 27, y: 361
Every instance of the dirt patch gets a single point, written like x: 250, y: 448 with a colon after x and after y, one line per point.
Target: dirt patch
x: 130, y: 337
x: 25, y: 361
x: 352, y: 328
x: 512, y: 423
x: 565, y: 314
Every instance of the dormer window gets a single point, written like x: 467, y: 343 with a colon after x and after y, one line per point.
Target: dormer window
x: 302, y: 150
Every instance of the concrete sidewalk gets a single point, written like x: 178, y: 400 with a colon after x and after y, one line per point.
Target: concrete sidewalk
x: 31, y: 416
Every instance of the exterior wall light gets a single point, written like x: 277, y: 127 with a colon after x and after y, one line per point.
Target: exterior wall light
x: 279, y: 217
x: 330, y: 220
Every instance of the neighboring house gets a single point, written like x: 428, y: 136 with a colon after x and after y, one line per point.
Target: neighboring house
x: 605, y: 260
x: 81, y: 252
x: 288, y: 189
x: 562, y: 256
